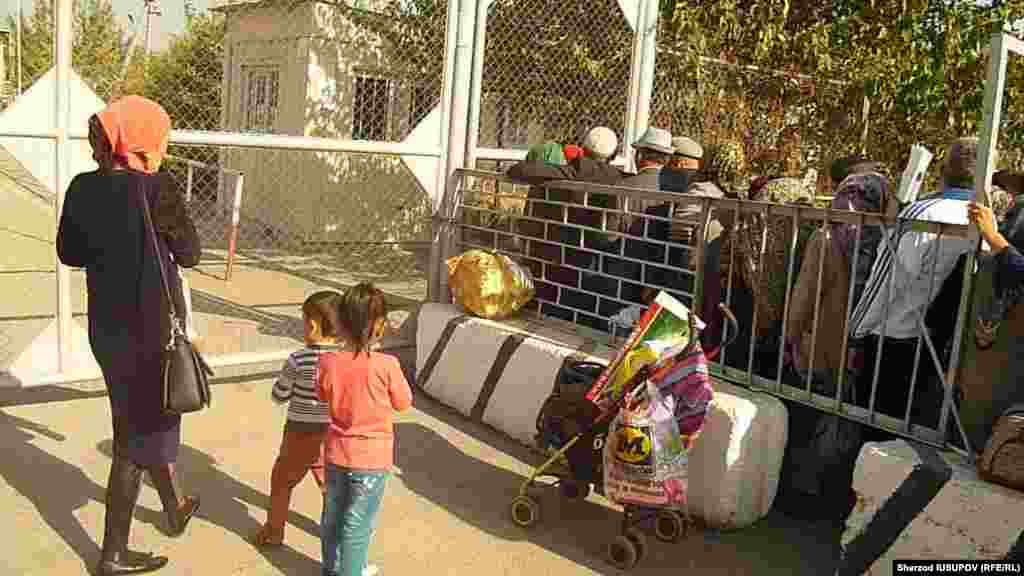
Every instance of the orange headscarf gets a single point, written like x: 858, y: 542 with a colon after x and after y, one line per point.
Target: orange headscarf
x: 137, y: 129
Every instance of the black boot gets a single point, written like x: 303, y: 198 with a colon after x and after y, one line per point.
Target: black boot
x: 122, y: 493
x: 179, y: 511
x: 129, y: 562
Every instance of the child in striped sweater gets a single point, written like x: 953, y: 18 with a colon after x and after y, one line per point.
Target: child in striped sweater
x: 304, y: 431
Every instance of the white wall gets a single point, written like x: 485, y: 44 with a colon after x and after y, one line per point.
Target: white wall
x: 319, y: 196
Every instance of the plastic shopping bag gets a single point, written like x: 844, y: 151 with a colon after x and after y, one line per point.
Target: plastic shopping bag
x: 645, y: 460
x: 489, y: 285
x: 665, y: 326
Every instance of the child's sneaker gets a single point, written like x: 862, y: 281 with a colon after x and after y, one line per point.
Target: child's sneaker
x: 370, y: 570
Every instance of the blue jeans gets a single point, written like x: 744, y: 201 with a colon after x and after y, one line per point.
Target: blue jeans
x: 350, y: 510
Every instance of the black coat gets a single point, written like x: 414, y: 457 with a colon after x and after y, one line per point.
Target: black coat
x: 582, y: 169
x: 102, y: 230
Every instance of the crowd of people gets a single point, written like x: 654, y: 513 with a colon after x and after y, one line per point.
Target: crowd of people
x: 341, y: 394
x: 905, y: 282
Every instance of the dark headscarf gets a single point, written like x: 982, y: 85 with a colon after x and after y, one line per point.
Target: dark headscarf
x: 865, y: 192
x: 1006, y: 294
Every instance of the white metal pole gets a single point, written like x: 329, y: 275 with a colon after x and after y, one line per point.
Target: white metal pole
x: 447, y: 88
x: 454, y: 121
x: 149, y: 23
x: 18, y: 47
x: 987, y: 142
x: 629, y: 131
x: 476, y: 87
x: 648, y: 29
x: 62, y: 51
x: 461, y: 86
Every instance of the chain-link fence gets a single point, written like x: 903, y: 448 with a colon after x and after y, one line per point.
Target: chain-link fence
x: 785, y: 124
x: 553, y: 70
x: 277, y: 218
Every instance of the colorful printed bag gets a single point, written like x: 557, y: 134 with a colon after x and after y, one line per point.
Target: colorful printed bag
x: 644, y: 456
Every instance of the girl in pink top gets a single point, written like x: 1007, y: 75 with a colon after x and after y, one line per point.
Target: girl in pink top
x: 363, y: 389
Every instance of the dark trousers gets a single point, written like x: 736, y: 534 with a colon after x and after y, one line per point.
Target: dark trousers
x: 123, y: 488
x: 894, y: 378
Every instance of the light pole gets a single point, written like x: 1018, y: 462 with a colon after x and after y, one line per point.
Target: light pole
x: 17, y: 33
x: 152, y: 8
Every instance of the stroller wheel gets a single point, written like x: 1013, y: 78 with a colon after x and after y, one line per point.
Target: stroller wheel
x: 639, y: 541
x: 669, y: 526
x: 572, y: 491
x: 525, y: 511
x: 622, y: 553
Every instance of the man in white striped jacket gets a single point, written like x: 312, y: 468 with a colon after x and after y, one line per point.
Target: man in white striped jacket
x: 901, y: 288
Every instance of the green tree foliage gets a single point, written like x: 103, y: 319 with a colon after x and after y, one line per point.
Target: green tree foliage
x: 186, y: 78
x: 100, y: 43
x: 922, y: 63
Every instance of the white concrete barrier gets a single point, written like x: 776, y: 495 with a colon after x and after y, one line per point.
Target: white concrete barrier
x: 500, y: 373
x: 915, y: 502
x: 736, y: 462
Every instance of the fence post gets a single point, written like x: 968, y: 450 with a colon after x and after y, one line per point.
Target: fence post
x: 188, y: 184
x: 455, y: 120
x: 641, y: 77
x: 459, y: 85
x: 994, y: 87
x: 476, y: 79
x: 236, y: 212
x: 63, y: 37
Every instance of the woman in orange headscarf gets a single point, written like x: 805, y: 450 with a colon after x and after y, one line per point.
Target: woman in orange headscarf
x: 102, y: 230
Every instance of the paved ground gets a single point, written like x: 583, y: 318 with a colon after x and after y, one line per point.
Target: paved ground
x: 445, y: 512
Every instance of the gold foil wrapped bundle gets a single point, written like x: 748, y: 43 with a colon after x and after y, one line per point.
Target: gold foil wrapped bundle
x: 489, y: 285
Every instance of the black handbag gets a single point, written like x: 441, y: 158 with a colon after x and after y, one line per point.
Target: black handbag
x: 186, y: 385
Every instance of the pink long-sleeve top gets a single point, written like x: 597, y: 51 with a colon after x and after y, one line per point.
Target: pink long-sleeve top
x: 362, y: 391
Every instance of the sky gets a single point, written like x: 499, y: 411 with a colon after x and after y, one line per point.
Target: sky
x: 170, y: 22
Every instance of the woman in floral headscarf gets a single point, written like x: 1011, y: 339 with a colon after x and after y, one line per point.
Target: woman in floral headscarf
x: 102, y: 230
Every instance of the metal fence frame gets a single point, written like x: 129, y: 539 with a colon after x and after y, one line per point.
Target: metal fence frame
x: 451, y: 225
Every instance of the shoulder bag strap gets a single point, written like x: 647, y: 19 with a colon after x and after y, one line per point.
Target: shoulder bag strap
x: 151, y: 229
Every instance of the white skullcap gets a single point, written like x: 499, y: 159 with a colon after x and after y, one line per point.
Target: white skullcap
x: 601, y: 141
x: 687, y: 147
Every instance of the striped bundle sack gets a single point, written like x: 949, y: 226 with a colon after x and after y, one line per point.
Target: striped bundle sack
x: 687, y: 380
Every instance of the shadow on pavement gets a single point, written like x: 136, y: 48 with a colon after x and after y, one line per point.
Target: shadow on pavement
x: 56, y: 505
x: 480, y: 493
x: 224, y: 504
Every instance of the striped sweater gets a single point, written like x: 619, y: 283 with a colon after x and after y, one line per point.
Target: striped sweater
x: 297, y: 385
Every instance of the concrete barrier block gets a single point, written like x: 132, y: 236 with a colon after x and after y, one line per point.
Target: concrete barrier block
x: 495, y: 372
x: 914, y: 501
x: 736, y: 462
x: 501, y: 372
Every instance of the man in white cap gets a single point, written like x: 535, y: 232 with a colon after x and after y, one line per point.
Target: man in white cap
x: 688, y: 154
x: 683, y: 167
x: 653, y: 151
x: 600, y: 144
x: 599, y: 147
